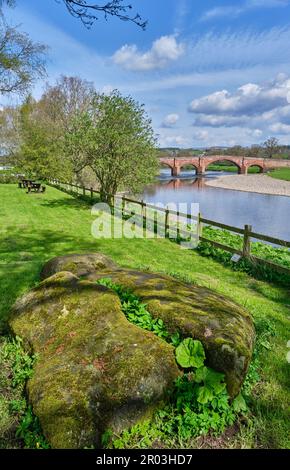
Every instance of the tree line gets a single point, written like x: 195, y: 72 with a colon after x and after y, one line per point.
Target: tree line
x: 76, y: 134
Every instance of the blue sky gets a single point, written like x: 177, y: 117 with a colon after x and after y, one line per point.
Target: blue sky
x: 209, y: 72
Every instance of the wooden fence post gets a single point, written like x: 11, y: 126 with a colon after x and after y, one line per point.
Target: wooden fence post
x: 92, y: 194
x: 199, y: 225
x: 178, y: 225
x: 143, y: 211
x: 167, y: 232
x: 84, y: 191
x: 247, y: 241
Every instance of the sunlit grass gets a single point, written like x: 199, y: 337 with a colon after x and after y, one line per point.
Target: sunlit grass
x: 36, y: 227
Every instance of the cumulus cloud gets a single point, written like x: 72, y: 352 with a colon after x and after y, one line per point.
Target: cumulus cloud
x: 163, y: 51
x: 170, y: 120
x: 257, y: 108
x: 250, y: 99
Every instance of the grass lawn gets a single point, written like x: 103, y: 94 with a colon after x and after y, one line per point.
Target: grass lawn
x: 231, y: 168
x: 37, y: 227
x: 281, y: 174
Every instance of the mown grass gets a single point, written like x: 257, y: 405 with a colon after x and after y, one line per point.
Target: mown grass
x: 37, y: 227
x: 230, y: 168
x: 281, y: 174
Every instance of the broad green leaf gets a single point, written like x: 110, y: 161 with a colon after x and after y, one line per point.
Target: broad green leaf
x: 239, y: 404
x: 190, y: 353
x: 204, y: 395
x: 215, y: 380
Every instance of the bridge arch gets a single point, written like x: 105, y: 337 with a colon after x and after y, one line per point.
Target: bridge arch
x: 223, y: 159
x: 251, y: 165
x: 188, y: 166
x: 166, y: 165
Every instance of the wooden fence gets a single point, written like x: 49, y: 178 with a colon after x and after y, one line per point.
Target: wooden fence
x: 246, y: 233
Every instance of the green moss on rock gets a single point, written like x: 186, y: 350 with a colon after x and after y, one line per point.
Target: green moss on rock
x: 95, y: 370
x: 80, y: 265
x: 225, y: 329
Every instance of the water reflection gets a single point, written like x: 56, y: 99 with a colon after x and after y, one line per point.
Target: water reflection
x: 267, y: 214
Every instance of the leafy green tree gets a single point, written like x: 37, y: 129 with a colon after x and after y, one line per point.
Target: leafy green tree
x: 115, y: 138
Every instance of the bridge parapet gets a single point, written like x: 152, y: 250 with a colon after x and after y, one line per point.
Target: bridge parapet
x: 200, y: 163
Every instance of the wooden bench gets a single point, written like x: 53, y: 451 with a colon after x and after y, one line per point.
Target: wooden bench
x: 35, y: 187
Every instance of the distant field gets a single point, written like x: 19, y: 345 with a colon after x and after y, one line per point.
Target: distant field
x: 281, y: 174
x: 231, y: 168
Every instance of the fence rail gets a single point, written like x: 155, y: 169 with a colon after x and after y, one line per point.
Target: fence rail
x: 247, y: 233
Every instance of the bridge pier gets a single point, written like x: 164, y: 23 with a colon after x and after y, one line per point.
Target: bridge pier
x: 175, y: 171
x: 243, y: 170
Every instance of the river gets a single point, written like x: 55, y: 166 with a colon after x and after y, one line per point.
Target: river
x: 269, y: 215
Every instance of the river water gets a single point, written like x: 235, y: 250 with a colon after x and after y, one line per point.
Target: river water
x: 269, y: 215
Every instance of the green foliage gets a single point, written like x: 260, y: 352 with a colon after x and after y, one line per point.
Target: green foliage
x: 261, y: 250
x: 199, y: 403
x: 7, y: 177
x: 29, y: 431
x: 17, y: 418
x: 22, y: 61
x: 190, y: 353
x: 115, y: 138
x: 22, y: 362
x: 136, y: 312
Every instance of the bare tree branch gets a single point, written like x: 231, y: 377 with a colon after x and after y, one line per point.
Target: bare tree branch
x: 21, y: 60
x: 89, y: 12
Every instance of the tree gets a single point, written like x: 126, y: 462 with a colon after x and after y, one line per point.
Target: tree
x: 253, y: 152
x: 21, y: 60
x: 117, y: 140
x: 64, y: 100
x: 41, y: 126
x: 271, y: 147
x: 88, y: 12
x: 9, y: 133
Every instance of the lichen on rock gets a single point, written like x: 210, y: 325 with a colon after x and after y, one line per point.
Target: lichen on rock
x: 94, y: 369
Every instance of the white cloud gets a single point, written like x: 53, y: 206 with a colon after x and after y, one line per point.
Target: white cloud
x: 201, y: 135
x: 248, y: 100
x: 107, y: 89
x: 174, y: 141
x: 237, y: 10
x: 280, y: 128
x: 170, y: 120
x: 163, y: 51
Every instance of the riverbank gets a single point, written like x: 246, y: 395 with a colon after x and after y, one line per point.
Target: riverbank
x: 262, y: 184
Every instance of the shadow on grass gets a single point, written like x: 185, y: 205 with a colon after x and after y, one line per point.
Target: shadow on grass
x: 81, y: 202
x: 22, y: 257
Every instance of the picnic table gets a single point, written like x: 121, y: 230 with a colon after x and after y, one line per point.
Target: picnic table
x: 35, y: 187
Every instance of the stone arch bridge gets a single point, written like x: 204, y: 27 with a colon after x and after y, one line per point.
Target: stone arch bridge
x: 200, y: 163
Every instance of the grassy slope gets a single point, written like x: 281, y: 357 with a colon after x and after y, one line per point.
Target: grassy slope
x: 36, y: 227
x: 281, y: 174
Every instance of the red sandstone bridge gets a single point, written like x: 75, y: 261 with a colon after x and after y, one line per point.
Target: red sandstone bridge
x: 200, y: 163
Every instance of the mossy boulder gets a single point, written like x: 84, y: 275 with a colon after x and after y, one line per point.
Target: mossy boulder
x: 225, y: 328
x: 94, y: 370
x: 80, y: 265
